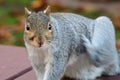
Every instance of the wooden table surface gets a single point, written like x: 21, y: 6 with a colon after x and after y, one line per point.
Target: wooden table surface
x: 15, y: 65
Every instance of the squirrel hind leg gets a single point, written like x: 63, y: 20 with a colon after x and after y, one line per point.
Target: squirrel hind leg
x: 97, y: 58
x: 94, y: 57
x: 118, y: 61
x: 112, y: 68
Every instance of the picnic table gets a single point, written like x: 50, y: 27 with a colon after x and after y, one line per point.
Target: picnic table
x: 15, y: 65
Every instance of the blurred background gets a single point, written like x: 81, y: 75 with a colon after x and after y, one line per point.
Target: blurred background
x: 12, y: 15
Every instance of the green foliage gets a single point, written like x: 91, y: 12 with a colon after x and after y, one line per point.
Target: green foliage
x: 17, y: 1
x: 7, y: 18
x: 7, y: 7
x: 91, y: 14
x: 18, y: 38
x: 117, y: 34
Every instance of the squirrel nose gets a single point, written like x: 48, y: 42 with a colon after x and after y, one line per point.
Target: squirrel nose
x: 40, y: 42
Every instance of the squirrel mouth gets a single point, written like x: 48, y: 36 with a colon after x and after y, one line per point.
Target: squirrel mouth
x: 40, y: 44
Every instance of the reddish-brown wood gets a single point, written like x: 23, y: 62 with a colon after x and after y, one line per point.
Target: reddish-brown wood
x: 12, y: 61
x: 28, y: 76
x: 117, y: 77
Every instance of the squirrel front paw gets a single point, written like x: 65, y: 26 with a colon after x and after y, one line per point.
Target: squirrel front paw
x: 86, y: 42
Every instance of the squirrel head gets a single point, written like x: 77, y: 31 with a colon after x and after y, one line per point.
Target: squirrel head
x: 38, y: 27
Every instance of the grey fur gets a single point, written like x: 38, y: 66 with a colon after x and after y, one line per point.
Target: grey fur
x: 81, y: 48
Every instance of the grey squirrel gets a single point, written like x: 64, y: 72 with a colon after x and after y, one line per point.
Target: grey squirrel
x: 67, y: 44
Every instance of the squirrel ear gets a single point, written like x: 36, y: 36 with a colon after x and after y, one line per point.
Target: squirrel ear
x: 27, y: 12
x: 47, y: 10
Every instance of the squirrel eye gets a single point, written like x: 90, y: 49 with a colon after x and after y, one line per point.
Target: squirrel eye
x: 50, y: 27
x: 27, y: 28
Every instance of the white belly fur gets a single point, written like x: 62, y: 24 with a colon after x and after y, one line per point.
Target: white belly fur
x: 81, y: 68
